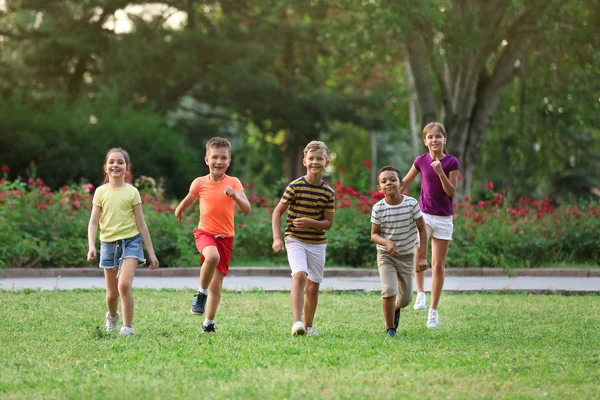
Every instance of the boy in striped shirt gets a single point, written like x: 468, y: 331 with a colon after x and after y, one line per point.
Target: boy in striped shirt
x: 310, y: 202
x: 395, y: 222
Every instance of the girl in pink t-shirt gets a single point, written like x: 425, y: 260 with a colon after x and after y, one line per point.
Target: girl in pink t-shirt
x: 440, y: 174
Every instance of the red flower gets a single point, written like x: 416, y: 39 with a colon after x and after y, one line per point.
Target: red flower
x: 490, y: 185
x: 342, y: 170
x: 4, y: 169
x: 367, y: 164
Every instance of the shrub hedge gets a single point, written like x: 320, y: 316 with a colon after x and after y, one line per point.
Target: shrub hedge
x: 44, y: 228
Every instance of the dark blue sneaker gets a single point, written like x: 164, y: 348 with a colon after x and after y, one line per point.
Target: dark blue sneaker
x: 210, y: 328
x: 396, y: 318
x: 391, y: 332
x: 199, y: 303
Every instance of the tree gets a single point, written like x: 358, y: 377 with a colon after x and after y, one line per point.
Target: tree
x: 464, y: 53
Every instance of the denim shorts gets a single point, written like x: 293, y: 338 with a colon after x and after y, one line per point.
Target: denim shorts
x: 112, y: 254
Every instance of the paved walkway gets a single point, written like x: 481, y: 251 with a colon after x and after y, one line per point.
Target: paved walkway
x: 532, y: 284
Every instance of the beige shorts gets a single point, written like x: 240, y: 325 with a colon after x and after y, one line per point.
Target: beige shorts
x: 306, y: 258
x: 396, y: 274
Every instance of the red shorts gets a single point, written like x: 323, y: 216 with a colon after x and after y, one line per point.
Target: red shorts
x: 224, y: 246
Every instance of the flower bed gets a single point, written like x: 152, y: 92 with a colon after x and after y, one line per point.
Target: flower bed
x: 44, y: 228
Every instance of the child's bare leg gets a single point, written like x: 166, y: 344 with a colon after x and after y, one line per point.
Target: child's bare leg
x: 310, y: 304
x: 420, y: 276
x: 125, y: 284
x: 211, y: 260
x: 439, y: 250
x: 297, y: 295
x: 112, y: 290
x: 389, y: 308
x: 215, y: 288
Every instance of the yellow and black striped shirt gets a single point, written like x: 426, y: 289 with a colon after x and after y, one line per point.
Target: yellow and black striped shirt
x: 309, y: 201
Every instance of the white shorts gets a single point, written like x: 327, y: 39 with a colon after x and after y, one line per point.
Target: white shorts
x: 307, y: 258
x: 442, y: 227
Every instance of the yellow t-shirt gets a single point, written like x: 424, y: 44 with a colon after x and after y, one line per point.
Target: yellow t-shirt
x: 116, y: 218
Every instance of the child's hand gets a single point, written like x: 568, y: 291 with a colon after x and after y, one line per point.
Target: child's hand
x: 278, y: 245
x: 422, y: 264
x: 230, y: 192
x: 153, y: 262
x: 437, y: 166
x: 178, y: 214
x: 302, y: 223
x: 391, y: 248
x: 91, y: 255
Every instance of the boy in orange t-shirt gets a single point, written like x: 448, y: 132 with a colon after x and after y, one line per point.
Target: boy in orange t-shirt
x: 218, y: 194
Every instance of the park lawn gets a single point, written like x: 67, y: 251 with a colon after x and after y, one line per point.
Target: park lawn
x: 489, y: 346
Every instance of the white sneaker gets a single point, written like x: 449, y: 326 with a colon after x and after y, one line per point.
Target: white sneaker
x: 311, y: 331
x: 298, y: 328
x: 112, y: 322
x: 126, y: 331
x: 420, y: 302
x: 432, y: 321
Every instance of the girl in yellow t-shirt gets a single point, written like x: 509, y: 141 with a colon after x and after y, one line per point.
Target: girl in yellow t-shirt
x: 117, y: 207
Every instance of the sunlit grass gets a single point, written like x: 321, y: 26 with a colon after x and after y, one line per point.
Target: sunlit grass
x: 489, y: 346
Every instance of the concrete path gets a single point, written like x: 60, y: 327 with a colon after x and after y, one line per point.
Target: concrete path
x: 532, y: 284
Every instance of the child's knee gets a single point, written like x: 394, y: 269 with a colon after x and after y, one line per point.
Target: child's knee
x: 299, y: 277
x: 112, y: 295
x: 124, y: 288
x: 403, y: 300
x: 437, y: 266
x: 212, y: 259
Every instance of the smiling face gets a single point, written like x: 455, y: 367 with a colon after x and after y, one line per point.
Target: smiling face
x: 435, y: 139
x: 218, y: 160
x: 116, y: 166
x: 315, y: 161
x: 388, y: 183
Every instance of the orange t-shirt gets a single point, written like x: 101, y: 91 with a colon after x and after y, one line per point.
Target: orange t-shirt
x: 216, y: 208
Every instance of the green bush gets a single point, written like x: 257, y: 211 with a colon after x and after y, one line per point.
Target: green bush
x: 68, y: 142
x: 45, y: 228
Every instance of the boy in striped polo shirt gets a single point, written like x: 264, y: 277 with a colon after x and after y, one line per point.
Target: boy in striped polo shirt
x: 310, y: 202
x: 395, y: 221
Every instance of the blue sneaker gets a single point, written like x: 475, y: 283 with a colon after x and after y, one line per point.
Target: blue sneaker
x: 199, y: 303
x: 391, y: 332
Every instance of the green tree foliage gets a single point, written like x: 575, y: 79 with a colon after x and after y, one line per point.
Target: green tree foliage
x: 68, y: 141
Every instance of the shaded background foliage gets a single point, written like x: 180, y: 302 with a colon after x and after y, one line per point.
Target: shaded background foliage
x: 162, y: 78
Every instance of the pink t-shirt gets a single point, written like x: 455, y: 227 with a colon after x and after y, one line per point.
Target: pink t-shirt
x: 216, y: 208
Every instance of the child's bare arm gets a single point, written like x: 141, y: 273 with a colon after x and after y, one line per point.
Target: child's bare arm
x: 186, y: 203
x: 422, y: 252
x: 380, y: 240
x: 92, y: 229
x: 140, y: 222
x: 320, y: 225
x: 240, y: 199
x: 409, y: 178
x: 276, y: 226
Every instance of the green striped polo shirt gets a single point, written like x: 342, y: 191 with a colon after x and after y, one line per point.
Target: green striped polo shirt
x: 310, y: 201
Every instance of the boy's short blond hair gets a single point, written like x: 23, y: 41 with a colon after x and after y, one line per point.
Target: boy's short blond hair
x: 218, y: 142
x: 316, y: 145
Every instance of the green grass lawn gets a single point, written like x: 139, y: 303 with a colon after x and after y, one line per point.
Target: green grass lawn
x: 489, y: 346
